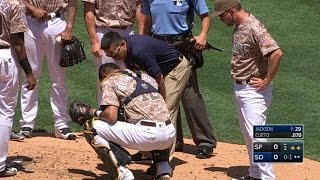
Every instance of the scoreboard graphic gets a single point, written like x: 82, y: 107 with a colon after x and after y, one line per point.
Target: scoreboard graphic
x: 278, y: 143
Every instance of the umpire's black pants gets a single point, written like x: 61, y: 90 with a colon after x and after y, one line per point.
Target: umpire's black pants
x: 196, y: 114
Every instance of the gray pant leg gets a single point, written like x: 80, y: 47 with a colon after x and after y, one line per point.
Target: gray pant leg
x: 179, y: 129
x: 196, y: 114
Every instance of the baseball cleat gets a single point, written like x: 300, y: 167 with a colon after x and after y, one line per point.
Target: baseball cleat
x: 9, y: 171
x: 16, y: 136
x: 64, y: 133
x: 26, y: 132
x: 164, y: 176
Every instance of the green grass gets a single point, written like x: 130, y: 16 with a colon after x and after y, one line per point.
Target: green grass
x: 296, y: 97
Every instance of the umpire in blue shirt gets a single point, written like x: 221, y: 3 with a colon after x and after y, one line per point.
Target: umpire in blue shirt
x: 172, y: 21
x: 159, y: 59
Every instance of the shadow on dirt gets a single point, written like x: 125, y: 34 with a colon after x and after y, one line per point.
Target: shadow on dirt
x: 90, y: 174
x: 19, y: 162
x: 233, y: 171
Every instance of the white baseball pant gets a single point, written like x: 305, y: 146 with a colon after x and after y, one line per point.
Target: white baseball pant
x: 40, y: 41
x: 9, y: 85
x: 105, y: 59
x: 138, y: 137
x: 252, y: 109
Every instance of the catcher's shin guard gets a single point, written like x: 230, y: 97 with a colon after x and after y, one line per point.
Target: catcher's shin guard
x: 109, y: 160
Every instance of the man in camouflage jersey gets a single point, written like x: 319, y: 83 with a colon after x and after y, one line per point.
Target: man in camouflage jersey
x: 147, y: 126
x: 255, y: 61
x: 12, y: 52
x: 102, y: 16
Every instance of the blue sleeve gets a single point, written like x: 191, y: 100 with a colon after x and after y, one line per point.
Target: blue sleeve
x: 147, y: 61
x: 145, y: 8
x: 200, y: 6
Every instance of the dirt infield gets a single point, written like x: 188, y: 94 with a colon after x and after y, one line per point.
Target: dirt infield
x: 45, y: 157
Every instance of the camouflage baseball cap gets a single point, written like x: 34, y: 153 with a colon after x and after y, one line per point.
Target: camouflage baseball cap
x: 221, y: 6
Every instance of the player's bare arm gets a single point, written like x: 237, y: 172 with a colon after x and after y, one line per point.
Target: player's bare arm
x: 146, y: 25
x: 91, y: 28
x: 140, y: 18
x: 38, y: 13
x: 72, y: 9
x: 109, y: 114
x: 201, y: 39
x: 17, y: 40
x: 273, y: 67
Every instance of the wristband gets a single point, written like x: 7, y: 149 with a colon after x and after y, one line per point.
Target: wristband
x: 24, y: 63
x: 97, y: 113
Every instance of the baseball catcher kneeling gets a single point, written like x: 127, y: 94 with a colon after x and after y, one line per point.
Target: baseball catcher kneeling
x: 146, y: 125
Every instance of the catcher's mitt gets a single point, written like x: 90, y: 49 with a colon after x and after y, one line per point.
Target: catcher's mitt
x: 79, y: 112
x: 71, y: 53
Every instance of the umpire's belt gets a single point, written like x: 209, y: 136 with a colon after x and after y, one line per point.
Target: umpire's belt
x: 172, y: 38
x: 154, y: 124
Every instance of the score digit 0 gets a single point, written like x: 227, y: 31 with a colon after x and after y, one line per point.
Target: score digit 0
x: 276, y: 147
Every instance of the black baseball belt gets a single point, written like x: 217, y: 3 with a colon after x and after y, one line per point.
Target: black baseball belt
x: 4, y: 47
x: 51, y: 16
x: 244, y: 82
x: 153, y: 124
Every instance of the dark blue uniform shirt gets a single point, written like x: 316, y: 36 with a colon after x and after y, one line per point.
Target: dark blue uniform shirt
x: 151, y: 55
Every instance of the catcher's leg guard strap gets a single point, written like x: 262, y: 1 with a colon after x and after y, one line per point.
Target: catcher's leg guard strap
x: 104, y: 153
x: 160, y: 155
x: 123, y: 157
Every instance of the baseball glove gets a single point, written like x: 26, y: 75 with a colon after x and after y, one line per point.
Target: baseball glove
x: 79, y: 112
x: 71, y: 53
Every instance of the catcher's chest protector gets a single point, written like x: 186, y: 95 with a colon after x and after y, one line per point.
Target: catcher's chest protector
x: 142, y: 87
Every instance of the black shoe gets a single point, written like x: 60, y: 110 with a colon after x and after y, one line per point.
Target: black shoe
x: 203, y: 152
x: 247, y: 177
x: 152, y: 170
x: 179, y: 146
x: 26, y: 132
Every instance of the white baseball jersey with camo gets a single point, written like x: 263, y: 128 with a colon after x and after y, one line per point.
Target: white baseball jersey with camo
x: 251, y: 44
x: 111, y: 15
x: 40, y: 42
